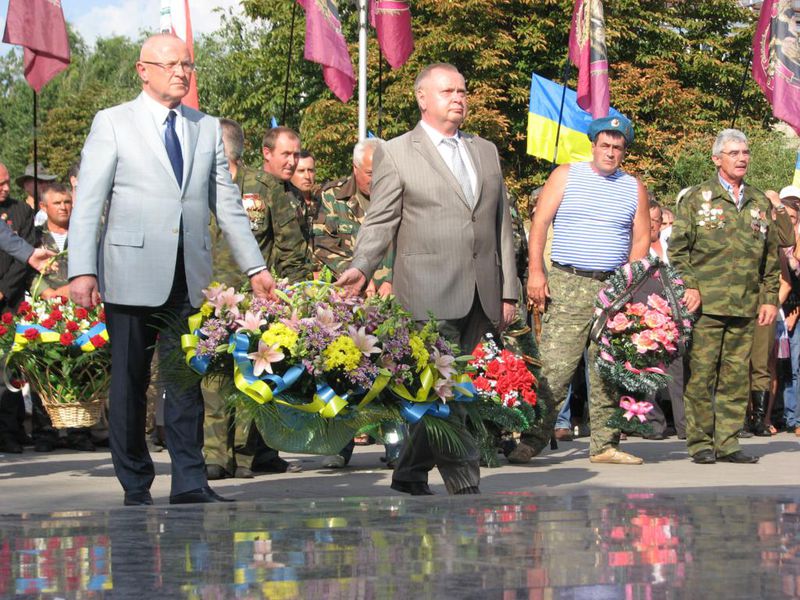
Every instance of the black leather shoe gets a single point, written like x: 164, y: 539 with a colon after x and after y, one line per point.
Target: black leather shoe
x: 415, y: 488
x: 43, y: 445
x: 10, y: 446
x: 653, y: 436
x: 473, y: 489
x: 138, y: 499
x: 738, y: 457
x: 704, y: 457
x: 215, y: 472
x: 204, y: 495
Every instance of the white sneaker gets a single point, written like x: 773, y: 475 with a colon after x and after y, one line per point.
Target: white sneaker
x: 333, y: 462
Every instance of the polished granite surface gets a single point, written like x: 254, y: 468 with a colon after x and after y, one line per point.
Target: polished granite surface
x: 597, y: 544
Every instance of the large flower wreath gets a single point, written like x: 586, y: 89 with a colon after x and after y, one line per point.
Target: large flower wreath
x: 641, y: 325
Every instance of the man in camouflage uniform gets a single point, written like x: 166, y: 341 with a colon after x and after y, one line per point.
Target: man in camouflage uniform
x: 231, y: 447
x: 343, y: 208
x: 566, y: 294
x: 305, y: 182
x: 284, y: 234
x: 726, y: 250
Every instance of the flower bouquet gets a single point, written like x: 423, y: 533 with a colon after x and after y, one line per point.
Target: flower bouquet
x: 62, y: 350
x: 315, y: 366
x: 641, y: 325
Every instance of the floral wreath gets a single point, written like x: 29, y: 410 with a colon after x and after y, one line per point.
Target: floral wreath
x: 638, y: 339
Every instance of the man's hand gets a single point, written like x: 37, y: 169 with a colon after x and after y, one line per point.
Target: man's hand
x: 692, y: 300
x: 791, y: 319
x: 352, y: 280
x: 371, y: 289
x: 38, y: 260
x: 84, y: 292
x: 263, y: 284
x: 538, y: 291
x: 509, y: 314
x: 767, y: 314
x: 385, y: 289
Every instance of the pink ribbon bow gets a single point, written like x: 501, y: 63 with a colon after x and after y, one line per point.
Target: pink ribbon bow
x: 635, y: 409
x: 635, y: 371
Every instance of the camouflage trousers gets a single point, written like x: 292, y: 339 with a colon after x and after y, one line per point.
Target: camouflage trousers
x: 718, y: 389
x: 565, y: 335
x: 223, y: 434
x: 763, y: 341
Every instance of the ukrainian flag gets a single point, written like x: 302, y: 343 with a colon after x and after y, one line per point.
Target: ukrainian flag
x: 796, y: 180
x: 573, y: 145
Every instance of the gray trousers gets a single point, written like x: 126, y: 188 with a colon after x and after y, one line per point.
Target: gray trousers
x: 459, y: 469
x: 673, y: 391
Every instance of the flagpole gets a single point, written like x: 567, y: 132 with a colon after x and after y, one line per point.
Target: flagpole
x: 564, y: 78
x: 288, y: 64
x: 380, y: 93
x: 35, y: 154
x: 741, y: 91
x: 362, y: 69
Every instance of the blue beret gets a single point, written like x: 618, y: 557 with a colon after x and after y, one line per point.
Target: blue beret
x: 617, y: 123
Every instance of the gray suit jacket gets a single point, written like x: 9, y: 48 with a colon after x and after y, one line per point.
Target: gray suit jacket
x: 12, y: 244
x: 126, y: 175
x: 443, y: 248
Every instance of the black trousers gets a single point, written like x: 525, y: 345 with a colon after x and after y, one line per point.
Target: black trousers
x: 133, y: 331
x: 419, y: 455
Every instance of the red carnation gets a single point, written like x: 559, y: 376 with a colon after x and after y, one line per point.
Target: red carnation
x: 72, y: 326
x: 98, y: 341
x: 23, y: 308
x: 66, y: 339
x: 482, y: 384
x: 31, y: 334
x: 102, y: 316
x: 81, y: 313
x: 48, y: 323
x: 3, y: 330
x: 7, y: 318
x: 56, y: 315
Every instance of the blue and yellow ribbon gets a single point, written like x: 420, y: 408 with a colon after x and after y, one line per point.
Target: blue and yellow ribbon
x: 189, y: 342
x: 48, y: 336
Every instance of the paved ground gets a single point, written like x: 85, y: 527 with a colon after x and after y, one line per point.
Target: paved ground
x: 64, y: 480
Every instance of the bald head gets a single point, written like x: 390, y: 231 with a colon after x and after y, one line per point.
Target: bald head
x: 165, y: 68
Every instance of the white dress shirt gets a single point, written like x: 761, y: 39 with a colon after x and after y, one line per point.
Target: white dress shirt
x: 446, y: 153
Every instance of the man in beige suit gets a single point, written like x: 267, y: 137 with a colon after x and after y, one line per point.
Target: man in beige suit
x: 439, y: 194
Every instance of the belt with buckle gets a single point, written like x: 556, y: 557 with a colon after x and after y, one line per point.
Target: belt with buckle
x: 598, y: 275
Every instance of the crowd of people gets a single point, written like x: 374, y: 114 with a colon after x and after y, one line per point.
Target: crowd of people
x: 162, y: 204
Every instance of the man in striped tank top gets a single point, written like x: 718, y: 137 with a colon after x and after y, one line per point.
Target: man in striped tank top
x: 600, y: 218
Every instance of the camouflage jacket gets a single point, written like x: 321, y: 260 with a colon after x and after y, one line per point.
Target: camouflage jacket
x: 341, y: 213
x: 225, y: 268
x: 283, y: 235
x: 730, y: 255
x: 57, y: 278
x: 520, y: 241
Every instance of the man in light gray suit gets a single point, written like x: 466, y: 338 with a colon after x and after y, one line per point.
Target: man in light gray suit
x: 157, y: 170
x: 439, y: 194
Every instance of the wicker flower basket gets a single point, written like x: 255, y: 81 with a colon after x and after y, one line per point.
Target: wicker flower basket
x: 73, y: 414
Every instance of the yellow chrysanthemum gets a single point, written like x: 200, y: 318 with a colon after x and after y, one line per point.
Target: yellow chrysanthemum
x: 207, y: 309
x: 342, y: 353
x: 418, y: 351
x: 280, y: 334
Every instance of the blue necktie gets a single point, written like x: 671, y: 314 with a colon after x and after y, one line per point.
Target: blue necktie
x: 174, y: 148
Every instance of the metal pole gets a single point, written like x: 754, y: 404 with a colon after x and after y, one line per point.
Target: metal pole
x: 362, y: 69
x: 380, y: 93
x: 564, y: 79
x: 35, y: 155
x: 288, y: 65
x: 738, y: 103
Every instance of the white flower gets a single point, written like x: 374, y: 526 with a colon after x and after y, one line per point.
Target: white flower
x: 701, y: 223
x: 707, y: 195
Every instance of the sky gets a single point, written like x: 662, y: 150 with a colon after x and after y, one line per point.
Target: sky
x: 103, y: 18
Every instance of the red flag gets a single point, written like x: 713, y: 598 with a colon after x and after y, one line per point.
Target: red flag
x: 392, y: 22
x: 776, y: 66
x: 38, y: 26
x: 325, y: 45
x: 587, y: 51
x: 177, y: 20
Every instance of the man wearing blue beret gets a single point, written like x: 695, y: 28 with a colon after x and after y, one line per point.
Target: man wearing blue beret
x: 600, y: 220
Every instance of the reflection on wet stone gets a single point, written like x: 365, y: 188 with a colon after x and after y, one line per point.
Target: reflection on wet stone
x: 601, y: 544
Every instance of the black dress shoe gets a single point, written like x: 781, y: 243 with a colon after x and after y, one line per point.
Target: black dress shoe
x: 204, y: 495
x: 473, y: 489
x: 138, y: 499
x: 43, y: 445
x: 10, y: 446
x: 276, y: 465
x: 738, y: 457
x: 704, y: 457
x: 215, y: 472
x: 653, y: 436
x: 415, y: 488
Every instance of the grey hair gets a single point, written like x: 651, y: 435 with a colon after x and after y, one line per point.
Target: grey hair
x: 725, y: 136
x: 361, y: 147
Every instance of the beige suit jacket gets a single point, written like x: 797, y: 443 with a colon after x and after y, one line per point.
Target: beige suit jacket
x: 444, y: 249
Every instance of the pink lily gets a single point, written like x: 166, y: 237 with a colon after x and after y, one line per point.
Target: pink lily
x: 264, y: 357
x: 251, y: 322
x: 364, y: 342
x: 443, y: 363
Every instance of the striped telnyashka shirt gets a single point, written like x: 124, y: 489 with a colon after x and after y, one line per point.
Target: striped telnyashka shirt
x: 593, y: 224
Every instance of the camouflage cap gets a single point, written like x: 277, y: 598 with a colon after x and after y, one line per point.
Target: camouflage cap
x: 616, y: 123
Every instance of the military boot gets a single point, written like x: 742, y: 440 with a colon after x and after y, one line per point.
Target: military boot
x: 759, y: 404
